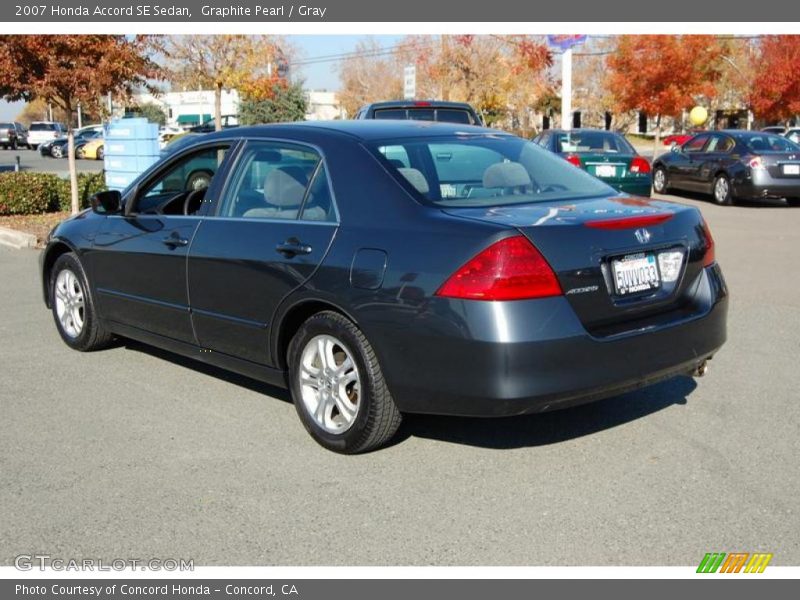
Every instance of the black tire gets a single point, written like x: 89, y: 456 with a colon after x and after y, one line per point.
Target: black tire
x: 33, y: 146
x: 660, y: 180
x: 101, y: 153
x: 377, y: 418
x: 80, y: 154
x: 92, y: 334
x: 793, y: 201
x: 721, y: 192
x: 56, y: 152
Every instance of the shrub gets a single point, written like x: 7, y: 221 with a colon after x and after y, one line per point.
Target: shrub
x: 26, y: 193
x: 88, y: 184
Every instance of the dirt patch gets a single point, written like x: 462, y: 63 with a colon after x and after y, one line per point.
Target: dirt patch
x: 38, y: 225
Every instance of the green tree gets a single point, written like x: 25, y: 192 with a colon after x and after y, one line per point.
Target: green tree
x: 281, y: 102
x: 152, y: 112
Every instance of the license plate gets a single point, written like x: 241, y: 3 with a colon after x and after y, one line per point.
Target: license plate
x: 635, y: 273
x: 791, y: 169
x: 605, y: 171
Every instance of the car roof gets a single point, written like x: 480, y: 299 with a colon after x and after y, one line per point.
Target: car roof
x: 364, y: 130
x: 581, y: 130
x: 418, y: 104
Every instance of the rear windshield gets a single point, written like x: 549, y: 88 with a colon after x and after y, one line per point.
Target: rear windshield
x: 580, y: 142
x: 43, y: 127
x: 484, y: 170
x: 765, y: 142
x: 446, y: 115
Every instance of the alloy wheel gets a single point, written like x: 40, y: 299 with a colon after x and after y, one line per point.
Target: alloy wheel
x: 330, y: 383
x: 70, y: 303
x: 659, y: 180
x: 721, y: 190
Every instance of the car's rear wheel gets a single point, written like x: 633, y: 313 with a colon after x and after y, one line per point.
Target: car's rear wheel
x: 73, y: 310
x: 80, y: 153
x: 660, y: 183
x: 722, y: 190
x: 100, y: 153
x: 338, y: 387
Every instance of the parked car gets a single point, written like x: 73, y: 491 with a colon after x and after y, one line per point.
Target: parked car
x: 93, y: 149
x: 679, y: 139
x: 421, y: 110
x: 58, y: 148
x: 776, y: 129
x: 44, y: 131
x: 732, y: 165
x: 383, y: 267
x: 13, y: 135
x: 793, y: 135
x: 604, y: 154
x: 228, y: 121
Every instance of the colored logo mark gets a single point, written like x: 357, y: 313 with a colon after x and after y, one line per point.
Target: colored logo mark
x: 735, y: 562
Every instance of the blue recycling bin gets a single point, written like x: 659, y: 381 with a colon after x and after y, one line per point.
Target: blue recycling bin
x: 131, y: 146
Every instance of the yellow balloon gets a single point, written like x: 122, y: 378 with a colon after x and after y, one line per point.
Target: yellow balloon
x: 698, y: 116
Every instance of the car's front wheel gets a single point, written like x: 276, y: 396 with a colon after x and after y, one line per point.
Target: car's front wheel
x: 722, y: 190
x: 793, y: 201
x: 338, y: 387
x: 100, y: 153
x: 660, y: 183
x: 73, y: 310
x: 56, y: 152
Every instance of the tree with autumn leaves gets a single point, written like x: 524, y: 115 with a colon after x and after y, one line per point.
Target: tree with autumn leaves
x: 776, y: 85
x: 503, y: 76
x: 220, y: 62
x: 663, y: 75
x: 67, y: 70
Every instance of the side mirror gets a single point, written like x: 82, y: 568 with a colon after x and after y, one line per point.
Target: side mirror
x: 108, y: 202
x: 675, y: 148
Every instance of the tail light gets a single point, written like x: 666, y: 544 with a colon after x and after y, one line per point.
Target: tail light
x: 756, y: 163
x: 574, y: 159
x: 710, y: 256
x: 640, y: 165
x: 511, y: 269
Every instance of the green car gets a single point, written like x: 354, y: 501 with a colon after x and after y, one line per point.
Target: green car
x: 604, y: 154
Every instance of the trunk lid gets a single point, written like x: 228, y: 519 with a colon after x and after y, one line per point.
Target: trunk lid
x: 605, y: 252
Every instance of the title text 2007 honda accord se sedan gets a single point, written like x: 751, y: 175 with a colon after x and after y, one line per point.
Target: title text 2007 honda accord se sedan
x: 383, y: 267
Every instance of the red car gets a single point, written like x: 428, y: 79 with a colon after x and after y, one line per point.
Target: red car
x: 679, y: 139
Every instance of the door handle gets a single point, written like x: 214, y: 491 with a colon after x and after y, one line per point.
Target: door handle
x: 174, y: 241
x: 292, y: 247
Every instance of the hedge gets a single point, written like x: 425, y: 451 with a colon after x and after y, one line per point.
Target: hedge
x: 27, y: 193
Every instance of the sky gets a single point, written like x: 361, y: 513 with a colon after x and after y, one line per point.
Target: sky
x: 319, y: 76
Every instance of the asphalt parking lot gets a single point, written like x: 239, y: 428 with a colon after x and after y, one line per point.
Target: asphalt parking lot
x: 33, y: 161
x: 131, y: 452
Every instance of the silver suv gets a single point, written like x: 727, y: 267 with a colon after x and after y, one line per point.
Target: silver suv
x: 13, y: 135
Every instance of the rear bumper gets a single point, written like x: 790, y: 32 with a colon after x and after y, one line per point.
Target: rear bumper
x: 762, y: 185
x: 511, y: 358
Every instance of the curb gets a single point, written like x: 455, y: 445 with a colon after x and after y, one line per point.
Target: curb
x: 16, y: 239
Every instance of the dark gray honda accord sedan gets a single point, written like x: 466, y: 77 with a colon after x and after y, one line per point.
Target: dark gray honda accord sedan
x: 383, y: 267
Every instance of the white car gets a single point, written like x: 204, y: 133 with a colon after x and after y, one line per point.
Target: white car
x: 44, y: 131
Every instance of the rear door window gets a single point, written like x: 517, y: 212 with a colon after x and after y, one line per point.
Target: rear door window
x: 271, y: 181
x: 696, y: 144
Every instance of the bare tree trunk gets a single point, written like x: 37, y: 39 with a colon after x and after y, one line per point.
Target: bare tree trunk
x: 657, y: 140
x: 73, y: 168
x: 218, y: 107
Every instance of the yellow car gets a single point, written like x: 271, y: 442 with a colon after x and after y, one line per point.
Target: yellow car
x: 92, y: 149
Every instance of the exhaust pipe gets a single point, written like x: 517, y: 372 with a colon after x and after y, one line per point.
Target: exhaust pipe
x: 701, y: 369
